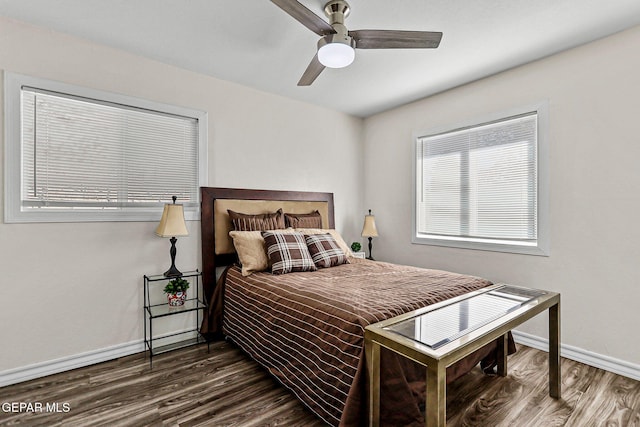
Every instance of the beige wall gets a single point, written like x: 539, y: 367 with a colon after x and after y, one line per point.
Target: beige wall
x: 594, y: 102
x: 78, y: 287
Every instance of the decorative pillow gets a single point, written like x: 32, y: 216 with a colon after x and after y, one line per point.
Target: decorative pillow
x: 287, y: 252
x: 256, y: 222
x: 251, y: 251
x: 325, y: 251
x: 338, y: 238
x: 310, y: 220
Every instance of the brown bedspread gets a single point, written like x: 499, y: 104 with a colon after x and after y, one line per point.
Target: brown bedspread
x: 307, y: 329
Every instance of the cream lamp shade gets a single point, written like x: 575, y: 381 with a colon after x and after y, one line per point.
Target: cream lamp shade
x: 172, y: 222
x: 369, y: 229
x: 171, y: 225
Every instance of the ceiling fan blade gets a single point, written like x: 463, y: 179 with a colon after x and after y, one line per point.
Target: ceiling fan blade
x: 312, y: 72
x: 305, y: 16
x: 392, y: 39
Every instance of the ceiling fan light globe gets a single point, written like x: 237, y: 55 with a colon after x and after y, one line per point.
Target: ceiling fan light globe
x: 336, y: 55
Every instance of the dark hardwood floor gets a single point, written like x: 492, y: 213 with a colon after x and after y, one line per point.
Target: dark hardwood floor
x: 190, y: 387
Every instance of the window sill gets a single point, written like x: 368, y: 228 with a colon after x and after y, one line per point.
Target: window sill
x: 539, y: 249
x: 119, y: 215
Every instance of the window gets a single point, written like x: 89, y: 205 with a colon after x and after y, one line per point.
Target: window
x: 483, y: 185
x: 75, y: 154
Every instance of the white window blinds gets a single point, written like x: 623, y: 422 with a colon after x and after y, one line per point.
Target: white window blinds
x: 480, y: 182
x: 81, y: 153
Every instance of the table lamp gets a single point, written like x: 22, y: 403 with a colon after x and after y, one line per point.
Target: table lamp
x: 171, y: 225
x: 369, y: 230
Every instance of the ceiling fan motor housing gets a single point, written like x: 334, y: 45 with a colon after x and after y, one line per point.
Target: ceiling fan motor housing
x: 337, y: 38
x: 337, y: 11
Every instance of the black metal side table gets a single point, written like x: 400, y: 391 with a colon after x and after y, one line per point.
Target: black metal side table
x: 154, y: 310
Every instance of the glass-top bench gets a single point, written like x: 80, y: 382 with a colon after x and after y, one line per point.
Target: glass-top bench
x: 441, y: 334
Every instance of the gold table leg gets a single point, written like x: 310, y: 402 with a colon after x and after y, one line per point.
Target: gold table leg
x: 436, y: 405
x: 503, y: 350
x: 554, y: 351
x: 372, y: 354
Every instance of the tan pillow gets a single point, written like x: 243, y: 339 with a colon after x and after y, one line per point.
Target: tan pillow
x: 337, y: 237
x: 251, y: 250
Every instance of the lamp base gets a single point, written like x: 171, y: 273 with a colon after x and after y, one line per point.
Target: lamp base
x: 370, y: 246
x: 173, y: 271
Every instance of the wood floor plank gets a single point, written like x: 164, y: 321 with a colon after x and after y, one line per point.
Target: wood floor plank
x: 193, y: 388
x: 550, y: 411
x: 476, y: 383
x: 494, y: 397
x: 611, y: 401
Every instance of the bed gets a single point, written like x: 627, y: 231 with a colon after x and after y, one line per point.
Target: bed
x: 307, y: 327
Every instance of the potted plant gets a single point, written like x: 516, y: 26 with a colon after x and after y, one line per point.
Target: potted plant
x: 355, y: 247
x: 176, y: 291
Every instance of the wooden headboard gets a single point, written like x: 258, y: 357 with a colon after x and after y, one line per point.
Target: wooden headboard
x: 217, y: 246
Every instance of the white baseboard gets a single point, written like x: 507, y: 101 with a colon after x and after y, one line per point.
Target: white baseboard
x: 42, y: 369
x: 607, y: 363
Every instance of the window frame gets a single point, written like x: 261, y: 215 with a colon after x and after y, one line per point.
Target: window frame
x: 13, y: 212
x: 542, y: 244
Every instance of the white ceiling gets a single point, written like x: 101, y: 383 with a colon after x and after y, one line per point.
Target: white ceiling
x: 254, y: 43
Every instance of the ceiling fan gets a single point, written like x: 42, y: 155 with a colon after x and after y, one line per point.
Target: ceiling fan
x: 336, y: 47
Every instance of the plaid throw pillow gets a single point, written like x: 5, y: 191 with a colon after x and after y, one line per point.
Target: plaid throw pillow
x: 287, y: 252
x: 325, y: 251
